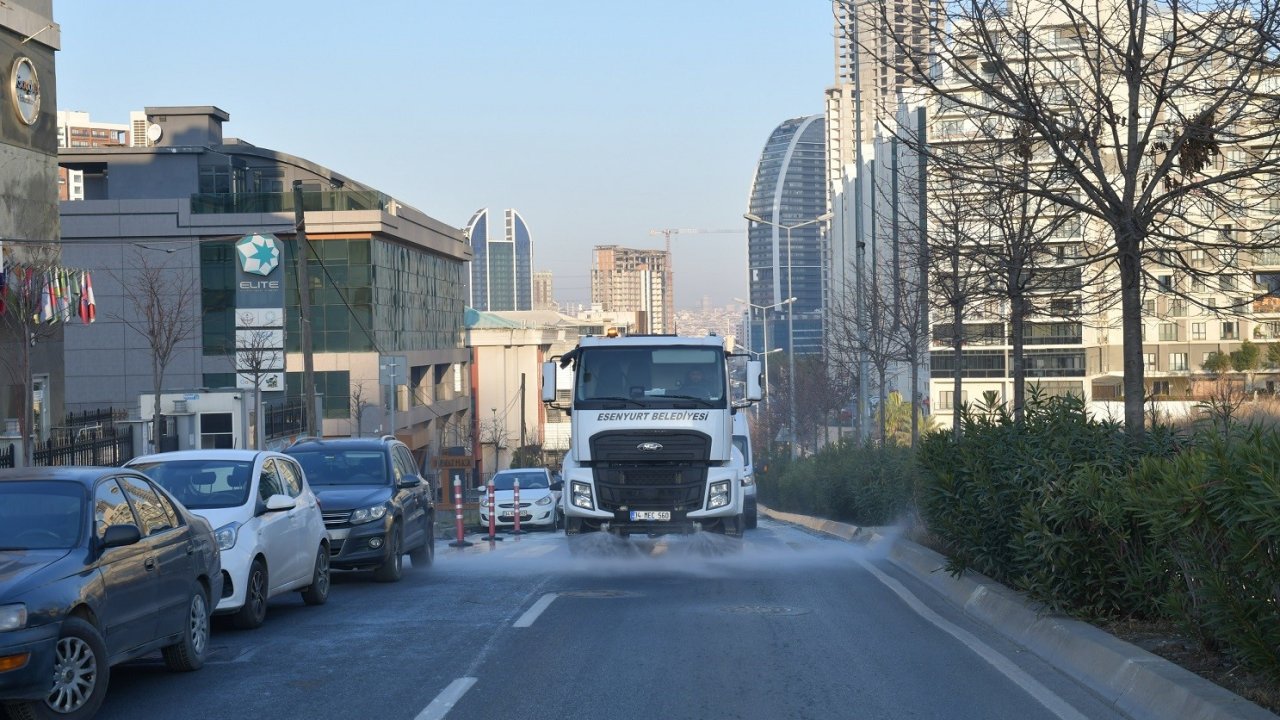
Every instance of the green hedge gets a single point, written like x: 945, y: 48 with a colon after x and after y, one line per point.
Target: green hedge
x: 858, y: 484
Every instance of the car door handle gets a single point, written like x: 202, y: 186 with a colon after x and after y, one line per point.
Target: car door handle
x: 150, y: 563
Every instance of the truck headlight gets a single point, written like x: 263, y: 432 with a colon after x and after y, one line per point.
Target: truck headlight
x: 13, y: 617
x: 719, y: 495
x: 369, y: 514
x: 544, y: 500
x: 580, y: 495
x: 226, y: 535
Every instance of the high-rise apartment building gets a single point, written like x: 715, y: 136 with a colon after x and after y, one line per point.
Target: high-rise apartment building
x: 633, y: 280
x: 544, y: 297
x: 789, y: 191
x: 502, y: 271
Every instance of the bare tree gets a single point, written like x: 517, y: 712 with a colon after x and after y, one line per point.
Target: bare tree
x: 360, y: 402
x: 25, y: 298
x: 163, y: 304
x: 258, y: 357
x: 1129, y: 105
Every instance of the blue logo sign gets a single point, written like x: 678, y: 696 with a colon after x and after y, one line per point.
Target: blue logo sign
x: 259, y: 254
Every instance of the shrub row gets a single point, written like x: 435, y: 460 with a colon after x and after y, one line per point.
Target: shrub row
x: 1079, y: 516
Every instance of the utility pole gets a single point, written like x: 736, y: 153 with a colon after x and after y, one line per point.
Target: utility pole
x: 858, y: 214
x: 522, y: 425
x: 302, y: 253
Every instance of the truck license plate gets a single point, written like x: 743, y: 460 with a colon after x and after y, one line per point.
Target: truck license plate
x: 658, y: 515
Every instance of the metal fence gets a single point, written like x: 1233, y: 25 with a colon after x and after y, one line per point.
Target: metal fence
x: 110, y: 450
x: 284, y: 419
x: 6, y: 455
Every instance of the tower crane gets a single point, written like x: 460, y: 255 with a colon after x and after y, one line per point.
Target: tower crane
x: 666, y: 234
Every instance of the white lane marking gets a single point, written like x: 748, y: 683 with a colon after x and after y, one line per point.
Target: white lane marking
x: 532, y: 613
x: 447, y: 698
x: 1030, y: 685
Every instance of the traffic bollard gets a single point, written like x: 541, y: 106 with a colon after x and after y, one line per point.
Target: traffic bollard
x: 515, y: 493
x: 457, y: 514
x: 493, y: 514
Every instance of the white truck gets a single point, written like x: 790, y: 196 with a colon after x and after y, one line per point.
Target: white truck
x: 651, y: 445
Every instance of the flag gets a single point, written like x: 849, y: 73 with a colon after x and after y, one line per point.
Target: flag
x: 45, y: 286
x: 90, y: 306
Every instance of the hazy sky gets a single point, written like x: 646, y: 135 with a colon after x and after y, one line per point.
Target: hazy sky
x: 597, y: 119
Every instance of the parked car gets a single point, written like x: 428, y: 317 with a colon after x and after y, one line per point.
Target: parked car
x: 265, y: 518
x: 375, y: 502
x: 97, y: 566
x: 742, y: 441
x: 539, y: 499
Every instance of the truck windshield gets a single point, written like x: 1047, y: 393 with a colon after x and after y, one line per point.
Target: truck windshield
x: 651, y: 377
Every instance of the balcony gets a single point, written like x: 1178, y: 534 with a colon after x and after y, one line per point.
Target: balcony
x: 329, y: 200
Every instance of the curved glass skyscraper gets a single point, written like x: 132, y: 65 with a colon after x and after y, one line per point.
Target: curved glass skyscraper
x: 502, y: 268
x: 790, y: 188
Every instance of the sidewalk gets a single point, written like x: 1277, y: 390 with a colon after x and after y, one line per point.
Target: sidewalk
x: 1136, y: 682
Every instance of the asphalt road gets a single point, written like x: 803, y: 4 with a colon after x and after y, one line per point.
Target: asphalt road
x: 793, y: 626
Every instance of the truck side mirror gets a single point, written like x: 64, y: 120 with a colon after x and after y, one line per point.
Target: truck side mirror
x: 755, y: 381
x: 548, y: 382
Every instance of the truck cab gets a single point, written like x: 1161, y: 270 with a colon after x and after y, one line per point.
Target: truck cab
x: 651, y: 447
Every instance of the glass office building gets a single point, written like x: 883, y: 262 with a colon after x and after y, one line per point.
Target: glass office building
x: 789, y: 189
x: 502, y: 268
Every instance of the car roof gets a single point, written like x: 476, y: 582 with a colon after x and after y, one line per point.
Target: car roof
x: 82, y: 474
x: 528, y: 469
x: 211, y: 454
x: 340, y: 444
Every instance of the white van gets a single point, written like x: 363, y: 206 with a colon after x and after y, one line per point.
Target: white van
x: 742, y: 443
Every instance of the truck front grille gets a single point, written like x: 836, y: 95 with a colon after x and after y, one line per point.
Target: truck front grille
x: 650, y: 487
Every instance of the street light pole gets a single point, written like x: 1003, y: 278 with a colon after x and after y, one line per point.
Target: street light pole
x: 791, y: 337
x: 765, y: 352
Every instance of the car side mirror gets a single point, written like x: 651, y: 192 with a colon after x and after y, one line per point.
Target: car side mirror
x: 120, y: 536
x: 277, y: 503
x: 557, y: 485
x: 409, y: 481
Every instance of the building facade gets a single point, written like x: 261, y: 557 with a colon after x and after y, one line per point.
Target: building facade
x: 544, y: 295
x: 31, y: 374
x: 76, y: 130
x: 633, y: 280
x: 502, y: 269
x: 789, y: 191
x: 217, y: 215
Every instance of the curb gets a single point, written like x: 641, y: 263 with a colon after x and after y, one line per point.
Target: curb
x: 1136, y: 682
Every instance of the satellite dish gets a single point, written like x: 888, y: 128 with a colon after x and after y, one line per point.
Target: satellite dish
x: 154, y: 131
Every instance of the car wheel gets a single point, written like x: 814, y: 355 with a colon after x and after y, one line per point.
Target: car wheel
x: 424, y: 555
x: 254, y: 611
x: 188, y: 653
x: 80, y: 676
x: 393, y: 568
x: 317, y: 593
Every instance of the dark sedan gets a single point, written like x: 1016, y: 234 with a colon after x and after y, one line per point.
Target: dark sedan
x: 97, y: 566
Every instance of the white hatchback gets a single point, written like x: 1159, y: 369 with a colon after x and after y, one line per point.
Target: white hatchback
x: 539, y: 499
x: 265, y: 518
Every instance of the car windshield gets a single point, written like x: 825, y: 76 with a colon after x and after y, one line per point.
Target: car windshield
x: 647, y: 377
x: 528, y: 480
x: 41, y: 515
x: 326, y: 466
x: 202, y: 484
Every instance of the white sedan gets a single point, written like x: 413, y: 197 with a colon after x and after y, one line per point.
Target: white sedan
x: 265, y: 518
x: 539, y: 499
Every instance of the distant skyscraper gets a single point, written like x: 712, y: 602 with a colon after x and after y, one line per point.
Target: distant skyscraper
x: 790, y: 188
x: 502, y: 268
x: 544, y: 297
x: 630, y: 280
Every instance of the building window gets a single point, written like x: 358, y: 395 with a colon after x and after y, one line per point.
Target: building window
x: 1149, y: 362
x: 1168, y: 332
x: 946, y: 399
x: 1178, y: 307
x: 1230, y: 330
x: 1148, y: 307
x: 215, y: 431
x: 1227, y: 283
x: 1160, y: 387
x: 1165, y: 282
x: 1177, y: 361
x: 1198, y: 331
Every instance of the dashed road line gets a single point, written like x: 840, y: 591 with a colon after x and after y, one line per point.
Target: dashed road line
x: 532, y: 613
x: 447, y: 698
